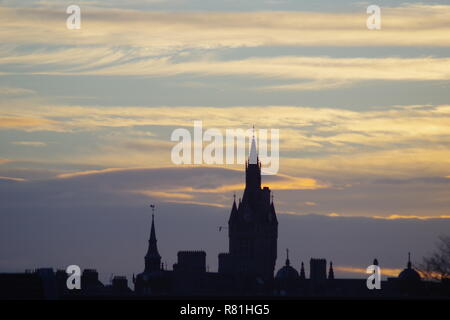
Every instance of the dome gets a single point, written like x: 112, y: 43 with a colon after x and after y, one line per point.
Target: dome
x: 409, y: 274
x: 287, y: 272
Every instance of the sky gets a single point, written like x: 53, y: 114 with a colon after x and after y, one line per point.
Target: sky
x: 86, y: 117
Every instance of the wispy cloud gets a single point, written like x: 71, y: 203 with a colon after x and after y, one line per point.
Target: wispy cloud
x: 13, y: 179
x: 410, y: 25
x: 12, y: 91
x: 323, y: 72
x: 401, y: 140
x: 108, y: 44
x: 30, y: 143
x: 28, y: 123
x: 390, y: 272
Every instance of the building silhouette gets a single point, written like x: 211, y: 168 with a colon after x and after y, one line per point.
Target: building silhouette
x: 247, y: 269
x: 252, y: 229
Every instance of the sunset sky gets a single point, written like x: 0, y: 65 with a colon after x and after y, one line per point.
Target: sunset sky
x: 86, y: 117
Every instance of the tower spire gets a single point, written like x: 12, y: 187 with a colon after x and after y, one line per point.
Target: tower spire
x: 152, y: 258
x: 253, y: 157
x: 331, y: 271
x: 287, y: 257
x: 409, y: 260
x: 253, y: 168
x: 302, y: 272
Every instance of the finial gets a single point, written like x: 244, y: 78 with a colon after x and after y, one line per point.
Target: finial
x: 409, y: 260
x: 253, y: 131
x: 287, y: 257
x: 234, y: 197
x: 153, y: 211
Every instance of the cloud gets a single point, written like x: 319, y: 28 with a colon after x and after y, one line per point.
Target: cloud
x: 108, y: 44
x: 11, y: 91
x: 28, y: 123
x: 401, y: 26
x: 311, y: 85
x: 11, y: 179
x: 396, y: 216
x: 214, y: 186
x: 30, y: 143
x: 324, y: 72
x: 389, y: 272
x: 327, y: 72
x: 398, y: 141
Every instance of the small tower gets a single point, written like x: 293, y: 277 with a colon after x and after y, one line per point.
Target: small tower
x: 252, y: 228
x: 152, y: 258
x: 331, y: 272
x: 302, y: 272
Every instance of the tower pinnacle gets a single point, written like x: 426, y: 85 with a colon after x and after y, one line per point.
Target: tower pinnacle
x: 253, y: 157
x: 152, y: 258
x: 287, y: 257
x: 331, y: 271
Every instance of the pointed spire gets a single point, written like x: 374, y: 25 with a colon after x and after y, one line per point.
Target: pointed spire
x: 331, y: 272
x: 152, y: 231
x: 234, y: 211
x: 273, y: 214
x: 302, y: 272
x: 152, y: 258
x: 253, y: 169
x: 253, y: 157
x: 287, y: 258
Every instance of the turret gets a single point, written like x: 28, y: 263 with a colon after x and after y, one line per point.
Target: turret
x: 302, y: 272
